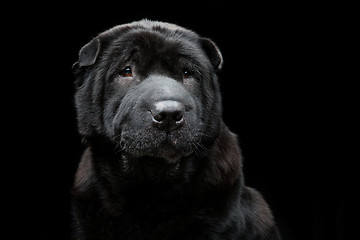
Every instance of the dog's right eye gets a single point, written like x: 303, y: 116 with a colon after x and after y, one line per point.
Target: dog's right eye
x: 187, y: 73
x: 126, y: 72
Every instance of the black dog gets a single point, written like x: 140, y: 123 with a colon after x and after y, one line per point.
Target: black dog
x: 159, y: 163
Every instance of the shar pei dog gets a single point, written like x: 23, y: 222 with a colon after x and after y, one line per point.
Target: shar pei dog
x: 159, y: 163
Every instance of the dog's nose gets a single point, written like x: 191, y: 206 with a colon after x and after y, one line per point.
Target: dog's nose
x: 168, y: 115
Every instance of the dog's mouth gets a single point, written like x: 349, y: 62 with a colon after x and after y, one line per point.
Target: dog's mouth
x: 169, y: 149
x: 168, y: 152
x: 171, y: 153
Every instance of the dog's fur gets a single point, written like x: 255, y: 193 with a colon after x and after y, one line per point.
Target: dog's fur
x: 141, y: 179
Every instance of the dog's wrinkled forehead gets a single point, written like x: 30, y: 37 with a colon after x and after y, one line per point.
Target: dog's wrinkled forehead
x: 153, y: 39
x: 162, y: 44
x: 167, y: 29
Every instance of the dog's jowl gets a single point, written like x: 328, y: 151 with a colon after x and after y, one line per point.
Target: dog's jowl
x: 159, y: 162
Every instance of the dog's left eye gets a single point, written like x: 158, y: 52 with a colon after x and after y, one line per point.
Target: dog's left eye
x: 187, y: 73
x: 126, y: 72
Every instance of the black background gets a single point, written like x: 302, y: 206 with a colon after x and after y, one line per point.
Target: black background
x: 277, y: 95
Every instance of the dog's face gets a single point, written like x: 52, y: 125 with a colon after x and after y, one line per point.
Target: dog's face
x: 150, y: 88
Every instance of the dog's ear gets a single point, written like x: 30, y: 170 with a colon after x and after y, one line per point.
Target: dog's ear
x: 213, y: 53
x: 87, y: 57
x: 89, y: 53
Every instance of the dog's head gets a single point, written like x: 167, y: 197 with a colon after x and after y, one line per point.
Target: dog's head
x: 150, y: 88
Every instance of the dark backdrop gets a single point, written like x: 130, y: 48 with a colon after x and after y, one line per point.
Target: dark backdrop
x: 275, y: 93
